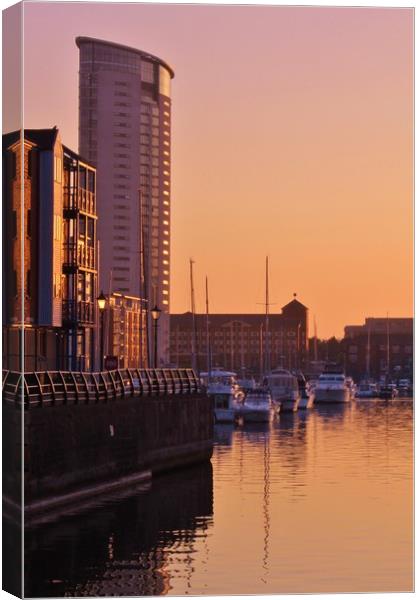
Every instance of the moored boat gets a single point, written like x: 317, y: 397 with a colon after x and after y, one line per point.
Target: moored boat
x: 331, y: 386
x: 221, y: 385
x: 366, y: 389
x: 257, y: 406
x: 284, y: 389
x: 387, y: 391
x: 306, y: 399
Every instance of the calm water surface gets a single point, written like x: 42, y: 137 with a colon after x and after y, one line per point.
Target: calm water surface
x: 315, y: 502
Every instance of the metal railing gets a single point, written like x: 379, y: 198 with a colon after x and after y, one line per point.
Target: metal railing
x: 80, y: 255
x: 79, y: 198
x: 71, y: 387
x: 79, y: 311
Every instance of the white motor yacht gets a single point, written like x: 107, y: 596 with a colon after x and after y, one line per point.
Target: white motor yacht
x: 284, y: 389
x: 367, y: 389
x: 332, y: 387
x: 222, y: 386
x: 257, y: 406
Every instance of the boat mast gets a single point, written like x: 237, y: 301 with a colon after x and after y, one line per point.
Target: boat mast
x: 194, y: 329
x: 208, y: 334
x: 267, y: 358
x: 387, y: 345
x: 315, y: 342
x: 368, y: 354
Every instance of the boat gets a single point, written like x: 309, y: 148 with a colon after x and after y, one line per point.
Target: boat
x: 351, y: 386
x: 284, y: 389
x: 387, y: 391
x: 257, y: 406
x: 306, y: 398
x: 247, y: 384
x: 405, y: 388
x: 222, y: 386
x: 366, y: 389
x: 331, y: 386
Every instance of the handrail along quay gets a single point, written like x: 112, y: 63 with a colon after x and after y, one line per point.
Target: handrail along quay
x: 44, y: 388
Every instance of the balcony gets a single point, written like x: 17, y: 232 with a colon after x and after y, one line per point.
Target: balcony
x: 78, y: 312
x: 79, y: 199
x: 78, y: 256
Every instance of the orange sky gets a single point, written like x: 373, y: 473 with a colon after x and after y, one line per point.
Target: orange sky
x: 292, y: 137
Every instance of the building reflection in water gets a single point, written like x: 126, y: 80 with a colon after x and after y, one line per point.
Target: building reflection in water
x: 121, y: 547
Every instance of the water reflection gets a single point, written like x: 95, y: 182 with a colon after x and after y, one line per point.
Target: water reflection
x: 318, y: 501
x: 120, y: 548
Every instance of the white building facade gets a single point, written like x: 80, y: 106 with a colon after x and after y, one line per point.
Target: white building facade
x: 125, y: 131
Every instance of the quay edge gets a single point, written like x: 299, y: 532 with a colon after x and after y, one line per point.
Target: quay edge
x: 80, y: 449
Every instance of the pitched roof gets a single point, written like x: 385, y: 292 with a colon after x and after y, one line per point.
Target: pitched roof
x: 43, y: 138
x: 294, y: 304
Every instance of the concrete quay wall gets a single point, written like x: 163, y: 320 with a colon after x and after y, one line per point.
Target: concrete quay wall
x: 91, y: 446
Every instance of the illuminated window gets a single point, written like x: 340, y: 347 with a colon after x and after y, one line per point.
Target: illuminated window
x: 166, y: 193
x: 165, y: 243
x: 165, y: 302
x: 166, y: 153
x: 165, y: 252
x: 165, y: 262
x: 166, y: 203
x: 165, y: 282
x: 165, y: 223
x: 165, y: 293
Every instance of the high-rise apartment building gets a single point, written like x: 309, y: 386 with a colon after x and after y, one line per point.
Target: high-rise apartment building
x: 125, y: 131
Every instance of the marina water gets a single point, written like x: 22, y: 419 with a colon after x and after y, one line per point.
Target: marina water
x: 317, y: 501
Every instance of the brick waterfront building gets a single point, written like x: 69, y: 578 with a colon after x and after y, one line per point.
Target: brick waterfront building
x: 49, y: 288
x: 123, y: 324
x: 381, y: 356
x: 238, y: 341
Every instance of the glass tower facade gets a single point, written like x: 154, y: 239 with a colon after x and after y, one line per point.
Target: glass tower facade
x: 125, y: 131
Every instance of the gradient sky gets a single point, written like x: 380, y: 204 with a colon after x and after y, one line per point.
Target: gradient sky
x: 292, y: 137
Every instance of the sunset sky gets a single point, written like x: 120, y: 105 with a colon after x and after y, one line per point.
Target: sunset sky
x: 292, y: 138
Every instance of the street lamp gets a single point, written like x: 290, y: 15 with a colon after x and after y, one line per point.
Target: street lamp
x: 155, y: 316
x: 101, y: 305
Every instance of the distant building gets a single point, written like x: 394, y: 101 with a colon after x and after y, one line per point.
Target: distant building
x: 125, y: 131
x: 378, y: 347
x: 123, y: 324
x: 50, y: 291
x: 238, y: 341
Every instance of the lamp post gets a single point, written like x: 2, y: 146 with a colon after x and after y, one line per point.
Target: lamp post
x: 101, y: 305
x: 155, y: 316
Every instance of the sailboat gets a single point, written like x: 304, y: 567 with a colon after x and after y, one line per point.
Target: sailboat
x: 282, y: 384
x: 221, y: 385
x: 387, y: 390
x: 366, y: 388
